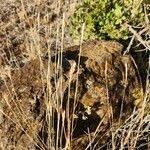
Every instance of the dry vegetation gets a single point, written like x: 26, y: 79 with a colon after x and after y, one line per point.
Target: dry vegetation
x: 53, y: 97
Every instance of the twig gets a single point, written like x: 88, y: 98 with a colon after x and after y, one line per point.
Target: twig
x: 139, y: 38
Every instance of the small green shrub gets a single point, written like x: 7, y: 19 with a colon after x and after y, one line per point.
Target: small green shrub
x: 105, y: 19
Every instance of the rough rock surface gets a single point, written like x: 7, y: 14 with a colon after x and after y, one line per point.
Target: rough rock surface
x: 106, y: 83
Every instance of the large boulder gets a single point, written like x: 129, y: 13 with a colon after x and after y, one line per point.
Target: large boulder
x: 87, y: 88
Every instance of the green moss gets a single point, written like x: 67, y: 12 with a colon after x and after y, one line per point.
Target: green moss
x: 138, y: 97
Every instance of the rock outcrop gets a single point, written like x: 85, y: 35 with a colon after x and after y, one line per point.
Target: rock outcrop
x: 95, y: 95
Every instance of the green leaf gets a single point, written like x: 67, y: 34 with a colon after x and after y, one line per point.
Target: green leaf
x: 118, y: 21
x: 118, y: 10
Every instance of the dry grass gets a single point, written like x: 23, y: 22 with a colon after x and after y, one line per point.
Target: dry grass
x: 36, y: 28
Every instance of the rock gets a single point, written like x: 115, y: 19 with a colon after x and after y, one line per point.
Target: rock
x: 98, y: 90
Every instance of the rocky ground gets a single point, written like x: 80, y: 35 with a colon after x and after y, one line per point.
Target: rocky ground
x: 80, y: 97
